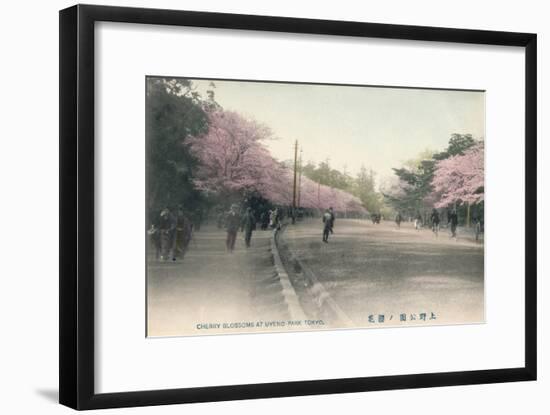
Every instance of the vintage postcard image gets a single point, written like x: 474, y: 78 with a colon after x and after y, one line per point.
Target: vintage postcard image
x: 277, y: 206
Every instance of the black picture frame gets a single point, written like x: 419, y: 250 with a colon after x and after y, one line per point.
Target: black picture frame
x: 76, y: 279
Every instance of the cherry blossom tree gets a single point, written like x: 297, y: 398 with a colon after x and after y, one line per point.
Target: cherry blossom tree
x: 319, y: 196
x: 460, y: 178
x: 231, y: 154
x: 233, y: 157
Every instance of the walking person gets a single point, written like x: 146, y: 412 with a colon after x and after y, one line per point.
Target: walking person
x: 184, y: 230
x: 264, y: 220
x: 167, y: 227
x: 328, y: 224
x: 398, y: 219
x: 154, y: 237
x: 418, y: 221
x: 220, y: 220
x: 478, y: 227
x: 332, y: 219
x: 434, y: 218
x: 248, y: 224
x: 197, y: 219
x: 275, y: 219
x: 453, y: 220
x: 232, y: 224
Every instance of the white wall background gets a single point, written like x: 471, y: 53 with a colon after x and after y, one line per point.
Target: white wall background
x: 29, y: 206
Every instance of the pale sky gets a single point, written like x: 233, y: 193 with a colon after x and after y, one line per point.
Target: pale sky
x: 353, y: 126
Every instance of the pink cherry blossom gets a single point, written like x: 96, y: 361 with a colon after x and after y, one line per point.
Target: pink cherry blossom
x: 233, y: 157
x: 460, y: 178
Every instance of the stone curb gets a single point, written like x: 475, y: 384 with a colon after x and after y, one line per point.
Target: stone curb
x: 291, y: 298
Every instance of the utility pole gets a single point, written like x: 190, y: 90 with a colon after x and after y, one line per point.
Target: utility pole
x: 294, y: 189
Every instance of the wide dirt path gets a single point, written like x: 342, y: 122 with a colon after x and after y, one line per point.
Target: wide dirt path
x: 378, y: 270
x: 210, y: 286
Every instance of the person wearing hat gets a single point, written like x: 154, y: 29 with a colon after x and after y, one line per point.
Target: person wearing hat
x: 232, y: 224
x: 328, y: 218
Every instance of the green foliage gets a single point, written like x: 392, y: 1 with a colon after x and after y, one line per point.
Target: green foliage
x: 417, y: 175
x: 457, y: 145
x: 174, y: 111
x: 363, y: 186
x: 328, y: 176
x: 417, y: 189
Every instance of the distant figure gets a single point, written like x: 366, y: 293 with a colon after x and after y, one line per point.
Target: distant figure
x: 434, y: 218
x: 264, y: 220
x: 328, y: 224
x: 478, y: 228
x: 332, y: 218
x: 248, y: 224
x: 418, y: 221
x: 154, y: 237
x: 184, y: 231
x: 232, y: 224
x: 453, y: 220
x: 220, y: 220
x: 167, y: 227
x: 197, y: 219
x: 398, y: 219
x: 275, y: 219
